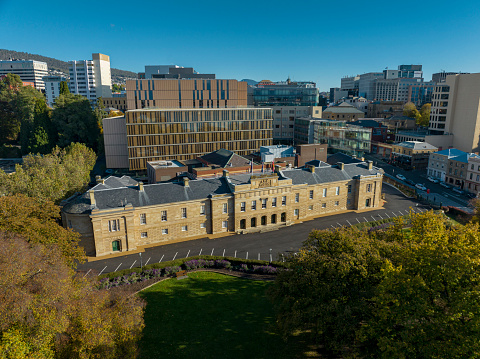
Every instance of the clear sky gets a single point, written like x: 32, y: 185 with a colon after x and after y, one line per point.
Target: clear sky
x: 319, y: 41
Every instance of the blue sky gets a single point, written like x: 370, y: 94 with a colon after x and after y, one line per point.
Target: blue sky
x: 306, y: 40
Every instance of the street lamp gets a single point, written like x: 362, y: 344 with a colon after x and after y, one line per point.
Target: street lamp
x: 270, y: 255
x: 141, y: 263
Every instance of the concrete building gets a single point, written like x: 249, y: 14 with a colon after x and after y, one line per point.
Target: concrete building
x: 456, y: 110
x: 29, y: 71
x: 412, y: 154
x: 384, y: 109
x: 284, y: 120
x: 350, y: 85
x: 162, y: 171
x: 121, y: 215
x: 288, y: 93
x: 473, y: 176
x: 187, y: 94
x: 52, y: 88
x: 396, y: 89
x: 342, y: 112
x: 360, y: 103
x: 421, y: 93
x: 439, y: 77
x: 181, y: 134
x: 270, y: 153
x: 91, y: 78
x: 457, y: 169
x: 118, y: 101
x: 440, y: 141
x: 367, y: 84
x: 438, y: 162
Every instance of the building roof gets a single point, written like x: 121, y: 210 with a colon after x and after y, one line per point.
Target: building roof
x: 464, y: 157
x: 118, y: 192
x: 416, y: 145
x: 343, y: 108
x: 366, y: 123
x: 450, y: 152
x: 399, y: 118
x: 341, y: 157
x: 225, y: 158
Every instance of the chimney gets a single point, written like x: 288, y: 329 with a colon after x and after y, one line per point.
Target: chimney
x: 225, y: 173
x: 341, y: 165
x: 186, y: 182
x: 370, y: 164
x: 92, y: 198
x: 277, y: 169
x: 362, y: 159
x: 140, y: 186
x: 311, y: 168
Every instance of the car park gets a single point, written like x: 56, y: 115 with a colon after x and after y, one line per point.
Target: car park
x: 421, y: 187
x: 400, y: 177
x: 457, y: 190
x: 443, y: 184
x: 432, y: 179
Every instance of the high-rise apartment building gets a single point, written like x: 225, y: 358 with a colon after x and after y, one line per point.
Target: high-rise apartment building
x: 456, y: 110
x: 52, y: 88
x: 91, y: 78
x: 182, y: 93
x: 182, y: 134
x: 29, y: 71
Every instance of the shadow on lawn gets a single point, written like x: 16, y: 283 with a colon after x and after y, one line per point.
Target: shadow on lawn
x: 208, y: 315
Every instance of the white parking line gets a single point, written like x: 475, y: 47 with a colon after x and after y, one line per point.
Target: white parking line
x: 258, y: 256
x: 365, y: 219
x: 188, y: 253
x: 161, y: 258
x: 246, y: 257
x: 135, y: 261
x: 380, y: 217
x: 87, y: 273
x: 339, y: 225
x: 147, y: 261
x: 118, y: 267
x: 235, y: 256
x: 357, y: 220
x: 349, y: 223
x: 373, y: 218
x: 175, y: 256
x: 223, y: 252
x: 332, y: 226
x: 393, y: 213
x: 200, y: 252
x: 387, y: 215
x: 212, y: 252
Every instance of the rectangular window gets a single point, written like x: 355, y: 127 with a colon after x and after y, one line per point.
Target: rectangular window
x: 311, y: 194
x: 324, y: 192
x: 264, y: 203
x: 165, y: 231
x: 143, y: 218
x: 349, y: 188
x: 297, y: 197
x: 337, y: 191
x: 337, y: 203
x: 184, y: 213
x: 295, y: 212
x: 143, y: 235
x: 254, y: 205
x: 369, y: 187
x: 164, y: 216
x: 284, y: 200
x: 225, y: 208
x: 203, y: 225
x: 324, y: 205
x: 310, y: 207
x: 242, y: 207
x: 114, y: 225
x: 224, y: 224
x: 184, y: 228
x: 202, y: 209
x: 274, y: 202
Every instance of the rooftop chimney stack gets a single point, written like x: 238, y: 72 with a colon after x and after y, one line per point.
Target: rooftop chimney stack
x: 186, y: 182
x: 311, y: 168
x: 225, y: 173
x: 341, y: 165
x: 92, y: 197
x: 370, y: 165
x: 140, y: 186
x: 277, y: 169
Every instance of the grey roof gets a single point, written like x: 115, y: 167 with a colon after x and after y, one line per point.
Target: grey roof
x: 343, y: 108
x: 341, y: 157
x: 115, y: 182
x: 400, y: 118
x: 417, y: 145
x: 366, y: 123
x: 450, y: 152
x: 317, y: 163
x: 224, y: 158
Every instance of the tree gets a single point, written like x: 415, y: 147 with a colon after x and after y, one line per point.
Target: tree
x: 424, y: 115
x: 118, y: 88
x: 36, y: 135
x: 387, y: 293
x: 410, y: 110
x: 46, y: 311
x: 37, y: 222
x: 75, y: 121
x: 64, y: 88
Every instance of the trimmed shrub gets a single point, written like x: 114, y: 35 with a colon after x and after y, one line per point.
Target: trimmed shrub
x: 172, y: 270
x: 222, y: 263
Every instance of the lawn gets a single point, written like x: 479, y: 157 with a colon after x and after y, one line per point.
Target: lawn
x: 210, y: 315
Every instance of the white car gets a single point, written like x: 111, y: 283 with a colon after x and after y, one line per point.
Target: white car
x: 443, y: 184
x: 432, y: 179
x: 457, y: 190
x: 421, y: 187
x: 401, y: 177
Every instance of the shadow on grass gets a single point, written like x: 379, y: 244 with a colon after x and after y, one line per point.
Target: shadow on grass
x: 208, y: 315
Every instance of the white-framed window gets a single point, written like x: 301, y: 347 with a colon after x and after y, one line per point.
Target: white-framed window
x: 143, y: 235
x: 242, y: 207
x: 184, y: 228
x: 254, y: 205
x: 264, y: 203
x: 143, y: 218
x: 295, y: 212
x: 284, y: 200
x: 337, y: 191
x: 202, y: 209
x: 114, y: 225
x: 164, y: 216
x: 369, y: 187
x: 203, y: 225
x: 184, y: 213
x: 165, y: 231
x: 224, y: 224
x: 297, y: 197
x: 324, y: 192
x: 311, y: 194
x: 310, y: 207
x: 274, y: 202
x: 225, y: 208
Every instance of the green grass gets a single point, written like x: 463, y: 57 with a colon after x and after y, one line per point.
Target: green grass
x: 210, y: 315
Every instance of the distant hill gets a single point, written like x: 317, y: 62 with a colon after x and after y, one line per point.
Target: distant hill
x: 250, y: 82
x: 54, y: 64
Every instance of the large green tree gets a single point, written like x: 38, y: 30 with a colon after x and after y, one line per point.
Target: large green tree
x: 64, y: 88
x: 387, y: 293
x: 424, y: 115
x: 410, y: 110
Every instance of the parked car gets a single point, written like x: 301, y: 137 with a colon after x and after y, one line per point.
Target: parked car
x: 432, y: 179
x: 457, y: 190
x: 410, y: 182
x: 470, y: 195
x: 401, y: 177
x: 443, y: 184
x: 421, y: 187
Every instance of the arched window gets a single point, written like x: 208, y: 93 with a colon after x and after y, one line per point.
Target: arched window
x: 253, y: 222
x: 264, y: 220
x: 116, y: 246
x: 243, y: 224
x: 284, y: 217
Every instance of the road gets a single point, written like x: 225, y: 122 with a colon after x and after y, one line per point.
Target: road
x: 255, y: 245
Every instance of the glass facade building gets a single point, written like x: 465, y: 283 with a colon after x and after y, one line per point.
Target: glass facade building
x: 285, y: 94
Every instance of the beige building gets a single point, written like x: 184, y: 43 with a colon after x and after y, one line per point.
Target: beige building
x: 456, y: 110
x: 473, y: 175
x: 343, y: 112
x: 120, y: 103
x: 412, y: 154
x: 120, y: 215
x: 187, y: 94
x: 284, y: 120
x: 182, y: 134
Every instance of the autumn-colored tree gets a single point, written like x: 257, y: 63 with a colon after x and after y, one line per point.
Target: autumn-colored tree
x: 423, y: 117
x: 410, y: 110
x: 48, y: 312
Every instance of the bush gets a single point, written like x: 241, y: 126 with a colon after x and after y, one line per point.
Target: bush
x: 171, y: 270
x: 223, y: 264
x: 264, y: 269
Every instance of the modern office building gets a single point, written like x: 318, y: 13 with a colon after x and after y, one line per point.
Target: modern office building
x: 91, y: 78
x: 367, y: 84
x: 52, y: 88
x: 421, y: 93
x: 284, y: 120
x: 288, y: 93
x: 188, y: 94
x: 438, y: 162
x: 342, y: 112
x: 456, y: 110
x: 350, y: 85
x: 439, y: 77
x: 395, y: 89
x: 181, y: 134
x: 29, y: 71
x: 121, y: 215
